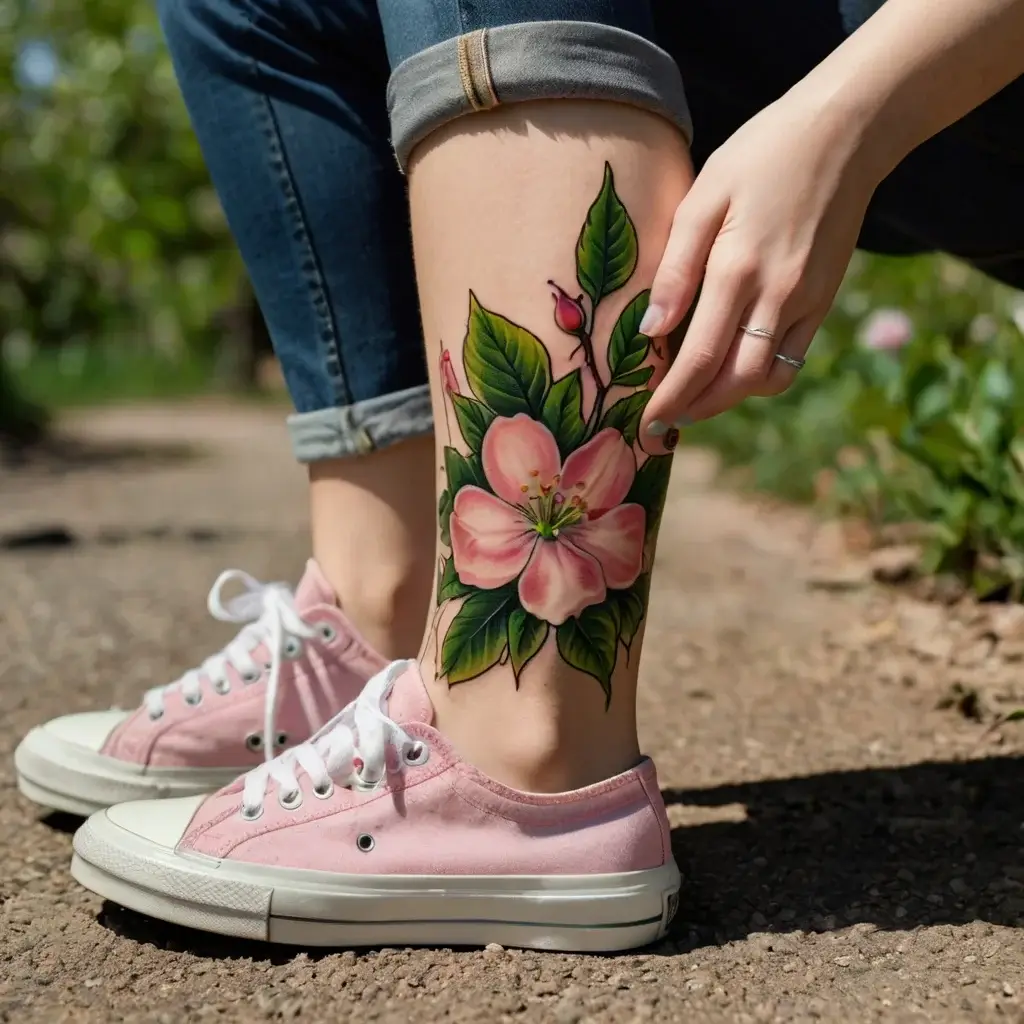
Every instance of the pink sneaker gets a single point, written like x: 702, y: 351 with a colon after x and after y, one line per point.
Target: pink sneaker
x: 290, y: 669
x: 375, y: 833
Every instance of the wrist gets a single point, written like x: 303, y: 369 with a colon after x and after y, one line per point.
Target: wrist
x: 853, y: 118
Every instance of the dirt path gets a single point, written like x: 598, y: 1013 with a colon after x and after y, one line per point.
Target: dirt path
x: 851, y: 852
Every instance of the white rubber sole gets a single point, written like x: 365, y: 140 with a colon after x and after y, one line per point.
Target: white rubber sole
x: 582, y: 913
x: 68, y: 777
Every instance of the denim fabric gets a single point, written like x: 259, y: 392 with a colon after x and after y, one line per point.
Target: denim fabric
x: 288, y: 100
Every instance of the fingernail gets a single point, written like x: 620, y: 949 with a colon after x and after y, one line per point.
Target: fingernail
x: 671, y: 439
x: 657, y: 429
x: 652, y: 320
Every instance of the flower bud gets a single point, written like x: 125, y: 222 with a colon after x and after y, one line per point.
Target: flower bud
x: 569, y: 314
x: 448, y: 379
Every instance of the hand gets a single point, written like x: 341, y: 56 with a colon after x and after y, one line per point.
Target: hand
x: 774, y: 217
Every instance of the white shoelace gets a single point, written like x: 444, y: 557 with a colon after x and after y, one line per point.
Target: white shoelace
x: 269, y: 611
x: 350, y: 749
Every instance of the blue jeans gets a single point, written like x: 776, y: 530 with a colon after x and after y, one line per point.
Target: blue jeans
x: 307, y: 109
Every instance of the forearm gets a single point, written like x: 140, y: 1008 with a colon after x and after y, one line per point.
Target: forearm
x: 914, y: 68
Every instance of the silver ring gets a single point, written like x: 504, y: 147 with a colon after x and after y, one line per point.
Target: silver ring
x: 759, y: 332
x: 797, y: 364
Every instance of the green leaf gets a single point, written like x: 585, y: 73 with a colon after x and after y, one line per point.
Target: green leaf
x: 606, y: 252
x: 627, y: 348
x: 477, y: 636
x: 507, y: 367
x: 590, y: 643
x: 625, y: 415
x: 1015, y: 716
x: 474, y: 418
x: 444, y: 515
x: 449, y: 586
x: 461, y: 471
x: 563, y: 413
x: 649, y: 488
x: 636, y: 378
x: 631, y: 605
x: 526, y: 636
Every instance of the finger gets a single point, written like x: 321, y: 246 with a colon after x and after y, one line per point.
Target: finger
x: 729, y: 289
x: 746, y: 369
x: 794, y: 344
x: 694, y: 229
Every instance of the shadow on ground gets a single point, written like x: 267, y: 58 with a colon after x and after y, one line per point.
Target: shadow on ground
x: 898, y: 848
x: 923, y: 844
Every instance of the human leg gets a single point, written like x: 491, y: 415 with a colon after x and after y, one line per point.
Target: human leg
x: 554, y: 506
x: 287, y: 98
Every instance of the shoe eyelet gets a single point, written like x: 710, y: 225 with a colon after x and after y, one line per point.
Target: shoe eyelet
x: 324, y: 792
x: 290, y: 801
x: 222, y: 686
x: 364, y: 842
x: 195, y: 701
x: 417, y: 754
x: 250, y: 815
x: 254, y: 741
x: 156, y: 716
x: 327, y: 632
x: 281, y: 740
x: 251, y: 677
x: 292, y: 647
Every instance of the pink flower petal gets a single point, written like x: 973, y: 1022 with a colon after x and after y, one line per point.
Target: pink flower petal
x: 491, y: 541
x: 560, y: 582
x: 519, y: 454
x: 601, y: 472
x: 616, y: 540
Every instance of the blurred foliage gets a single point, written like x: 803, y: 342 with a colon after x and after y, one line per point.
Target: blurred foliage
x: 115, y: 261
x: 930, y: 432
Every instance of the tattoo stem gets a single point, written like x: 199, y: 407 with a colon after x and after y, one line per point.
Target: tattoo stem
x: 587, y: 345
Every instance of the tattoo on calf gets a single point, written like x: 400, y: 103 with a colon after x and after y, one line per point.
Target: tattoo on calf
x: 551, y: 508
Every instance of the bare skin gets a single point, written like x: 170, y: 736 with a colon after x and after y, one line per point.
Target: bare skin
x: 372, y: 520
x: 497, y: 203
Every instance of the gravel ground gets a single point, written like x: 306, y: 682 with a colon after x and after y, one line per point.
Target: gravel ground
x: 852, y: 852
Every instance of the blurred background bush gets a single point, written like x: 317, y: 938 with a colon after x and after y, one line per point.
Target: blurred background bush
x: 118, y: 280
x: 117, y: 274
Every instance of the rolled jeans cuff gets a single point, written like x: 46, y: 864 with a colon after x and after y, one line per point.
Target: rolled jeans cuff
x: 535, y: 60
x: 363, y: 427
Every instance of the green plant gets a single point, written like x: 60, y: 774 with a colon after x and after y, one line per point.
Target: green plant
x: 932, y: 432
x: 111, y: 237
x: 947, y: 451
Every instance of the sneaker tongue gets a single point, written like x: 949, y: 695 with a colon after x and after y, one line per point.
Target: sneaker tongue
x: 313, y: 588
x: 409, y: 701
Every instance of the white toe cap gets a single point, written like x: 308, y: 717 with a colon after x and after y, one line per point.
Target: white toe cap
x: 163, y: 822
x: 88, y: 729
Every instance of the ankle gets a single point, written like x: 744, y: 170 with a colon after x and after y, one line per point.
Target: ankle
x: 385, y: 604
x: 544, y: 737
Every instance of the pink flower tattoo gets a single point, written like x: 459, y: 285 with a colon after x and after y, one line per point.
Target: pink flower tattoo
x: 561, y: 529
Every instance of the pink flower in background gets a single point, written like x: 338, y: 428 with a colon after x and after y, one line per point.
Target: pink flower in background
x: 886, y: 330
x: 569, y: 314
x: 448, y: 379
x: 561, y: 529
